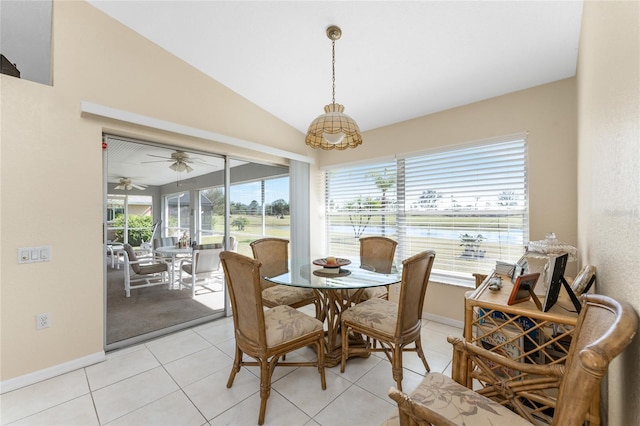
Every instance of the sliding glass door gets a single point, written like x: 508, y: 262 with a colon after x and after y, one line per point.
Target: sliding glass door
x: 184, y: 195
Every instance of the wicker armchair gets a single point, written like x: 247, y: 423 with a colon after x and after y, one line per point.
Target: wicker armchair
x: 393, y: 325
x: 273, y: 254
x: 605, y: 327
x: 266, y: 335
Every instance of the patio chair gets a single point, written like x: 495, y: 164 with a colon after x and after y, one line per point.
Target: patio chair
x: 202, y: 268
x: 604, y: 328
x: 273, y: 254
x: 266, y: 335
x: 393, y: 325
x: 147, y: 271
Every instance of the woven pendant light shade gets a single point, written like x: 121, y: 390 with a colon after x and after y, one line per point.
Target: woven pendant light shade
x: 330, y: 126
x: 334, y: 129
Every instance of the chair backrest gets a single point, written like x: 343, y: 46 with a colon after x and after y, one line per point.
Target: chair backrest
x: 131, y: 255
x: 233, y: 243
x: 242, y: 275
x: 206, y: 258
x: 605, y: 327
x: 164, y: 242
x: 415, y: 278
x: 377, y: 252
x: 273, y: 254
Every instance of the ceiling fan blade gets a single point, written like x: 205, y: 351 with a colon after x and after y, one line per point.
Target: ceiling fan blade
x: 159, y: 156
x: 120, y: 187
x: 157, y: 161
x: 140, y: 187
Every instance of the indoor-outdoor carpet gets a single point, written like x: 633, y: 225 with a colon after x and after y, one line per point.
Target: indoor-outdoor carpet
x: 152, y: 308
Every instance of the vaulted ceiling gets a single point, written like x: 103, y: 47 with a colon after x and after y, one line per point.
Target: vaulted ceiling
x: 396, y: 60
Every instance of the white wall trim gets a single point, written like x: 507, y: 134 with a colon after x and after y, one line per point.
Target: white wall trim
x: 48, y: 373
x: 156, y: 123
x: 443, y: 320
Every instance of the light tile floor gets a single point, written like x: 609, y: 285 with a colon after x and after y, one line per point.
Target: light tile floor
x: 180, y: 379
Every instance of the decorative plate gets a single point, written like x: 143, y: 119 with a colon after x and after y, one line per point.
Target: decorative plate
x: 322, y: 273
x: 339, y: 262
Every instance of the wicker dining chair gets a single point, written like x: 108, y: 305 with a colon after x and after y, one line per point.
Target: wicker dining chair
x: 273, y: 254
x: 392, y: 325
x: 266, y: 335
x: 377, y: 254
x: 604, y: 328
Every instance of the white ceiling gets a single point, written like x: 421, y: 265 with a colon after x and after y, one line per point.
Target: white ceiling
x: 396, y: 60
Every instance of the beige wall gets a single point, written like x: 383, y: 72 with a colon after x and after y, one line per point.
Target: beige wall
x: 50, y: 152
x: 609, y: 175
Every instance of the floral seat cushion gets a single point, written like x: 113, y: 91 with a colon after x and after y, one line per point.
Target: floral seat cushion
x: 460, y: 405
x: 375, y: 313
x: 283, y: 295
x: 284, y: 323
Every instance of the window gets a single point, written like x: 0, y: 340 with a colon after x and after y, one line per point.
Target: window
x: 211, y: 219
x: 360, y: 201
x: 178, y: 220
x: 260, y: 209
x: 129, y: 218
x: 468, y: 204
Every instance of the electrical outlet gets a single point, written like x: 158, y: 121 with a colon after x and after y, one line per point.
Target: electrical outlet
x: 43, y: 321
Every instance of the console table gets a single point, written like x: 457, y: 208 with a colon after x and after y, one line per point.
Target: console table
x: 520, y: 331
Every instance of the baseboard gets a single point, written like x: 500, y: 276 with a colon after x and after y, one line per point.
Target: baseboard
x: 47, y: 373
x: 443, y: 320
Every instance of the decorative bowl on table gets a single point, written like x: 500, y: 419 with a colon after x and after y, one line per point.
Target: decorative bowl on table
x: 331, y: 266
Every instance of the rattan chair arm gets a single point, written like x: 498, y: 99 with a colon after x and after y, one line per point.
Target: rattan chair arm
x: 413, y: 413
x: 464, y: 349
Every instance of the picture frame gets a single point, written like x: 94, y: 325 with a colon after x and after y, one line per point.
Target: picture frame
x: 556, y: 271
x: 523, y: 288
x: 519, y: 268
x: 583, y: 281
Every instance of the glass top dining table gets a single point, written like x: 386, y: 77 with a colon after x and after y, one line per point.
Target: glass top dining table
x: 304, y: 273
x: 335, y: 292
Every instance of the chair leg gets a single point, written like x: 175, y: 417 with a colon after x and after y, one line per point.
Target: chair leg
x: 266, y: 368
x: 320, y: 347
x: 345, y: 348
x: 127, y: 283
x: 421, y: 354
x: 396, y: 365
x: 236, y: 366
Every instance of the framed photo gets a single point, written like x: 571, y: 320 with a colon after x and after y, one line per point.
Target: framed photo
x: 523, y: 288
x: 583, y: 281
x: 556, y: 271
x: 519, y: 268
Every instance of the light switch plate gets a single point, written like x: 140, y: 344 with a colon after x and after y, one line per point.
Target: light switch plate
x: 34, y: 254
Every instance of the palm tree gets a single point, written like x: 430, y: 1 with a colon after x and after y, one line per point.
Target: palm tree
x: 384, y: 181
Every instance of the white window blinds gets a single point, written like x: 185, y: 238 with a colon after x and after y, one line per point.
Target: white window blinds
x: 360, y: 201
x: 468, y: 204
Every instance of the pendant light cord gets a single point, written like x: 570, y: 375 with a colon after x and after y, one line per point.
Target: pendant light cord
x: 333, y: 70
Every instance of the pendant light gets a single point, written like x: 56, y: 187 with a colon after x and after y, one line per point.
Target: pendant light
x: 334, y: 129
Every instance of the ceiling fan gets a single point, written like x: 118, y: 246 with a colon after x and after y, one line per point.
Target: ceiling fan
x: 179, y: 160
x: 126, y: 185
